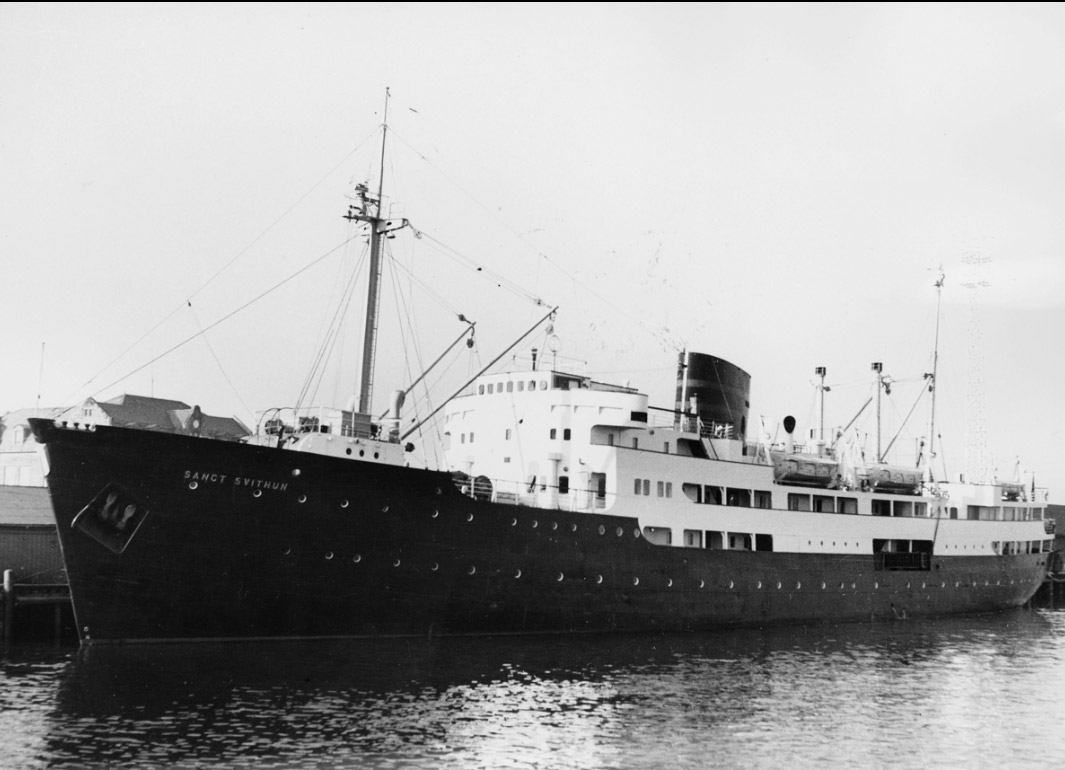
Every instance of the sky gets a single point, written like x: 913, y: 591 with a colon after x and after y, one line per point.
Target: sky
x: 776, y: 185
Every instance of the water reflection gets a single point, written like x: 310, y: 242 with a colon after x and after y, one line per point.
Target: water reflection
x: 957, y: 692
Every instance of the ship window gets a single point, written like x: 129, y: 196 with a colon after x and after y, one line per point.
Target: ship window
x: 953, y: 512
x: 447, y: 441
x: 762, y: 499
x: 491, y: 389
x: 669, y: 489
x: 902, y: 508
x: 532, y: 384
x: 693, y: 538
x: 471, y: 436
x: 508, y: 434
x: 824, y: 504
x: 658, y: 535
x: 480, y: 390
x: 610, y: 439
x: 543, y: 384
x: 715, y: 540
x: 798, y: 502
x: 847, y: 505
x: 693, y: 492
x: 713, y: 495
x: 638, y: 486
x: 565, y: 434
x: 510, y: 387
x: 740, y: 498
x: 881, y: 507
x: 521, y: 385
x: 665, y: 447
x: 563, y: 485
x: 920, y: 509
x: 647, y: 487
x: 763, y: 542
x: 463, y: 439
x: 661, y: 489
x: 739, y: 541
x: 554, y: 433
x: 635, y: 443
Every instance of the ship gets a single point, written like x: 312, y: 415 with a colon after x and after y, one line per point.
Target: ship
x: 564, y: 505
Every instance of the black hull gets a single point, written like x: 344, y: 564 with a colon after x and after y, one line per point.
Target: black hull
x: 228, y: 541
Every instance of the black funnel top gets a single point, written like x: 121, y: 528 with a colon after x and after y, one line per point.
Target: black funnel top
x: 721, y: 392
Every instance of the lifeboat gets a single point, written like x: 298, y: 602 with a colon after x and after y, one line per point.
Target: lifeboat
x: 805, y: 470
x: 893, y: 478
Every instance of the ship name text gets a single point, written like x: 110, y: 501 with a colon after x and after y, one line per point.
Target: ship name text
x: 237, y: 481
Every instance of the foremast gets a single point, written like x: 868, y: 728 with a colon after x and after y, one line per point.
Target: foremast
x: 370, y: 210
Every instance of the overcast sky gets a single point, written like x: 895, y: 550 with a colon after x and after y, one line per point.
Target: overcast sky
x: 775, y: 185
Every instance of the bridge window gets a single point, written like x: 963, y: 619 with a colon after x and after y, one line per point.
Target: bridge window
x: 740, y: 498
x: 881, y: 507
x: 824, y: 504
x: 762, y: 499
x: 693, y: 538
x: 715, y: 540
x: 847, y: 504
x: 713, y: 495
x: 798, y: 502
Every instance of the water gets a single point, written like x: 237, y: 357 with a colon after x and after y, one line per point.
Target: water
x: 974, y: 692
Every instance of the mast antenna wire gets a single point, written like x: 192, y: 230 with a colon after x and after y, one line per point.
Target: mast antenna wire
x: 227, y: 316
x: 228, y: 264
x: 636, y: 321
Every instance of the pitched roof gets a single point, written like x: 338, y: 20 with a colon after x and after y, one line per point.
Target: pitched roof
x: 141, y: 411
x: 25, y: 505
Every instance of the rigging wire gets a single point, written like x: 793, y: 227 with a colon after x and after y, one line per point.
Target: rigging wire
x: 218, y: 361
x: 225, y: 267
x: 227, y: 316
x: 658, y: 335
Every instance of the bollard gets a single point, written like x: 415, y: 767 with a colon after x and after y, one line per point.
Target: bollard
x: 9, y: 604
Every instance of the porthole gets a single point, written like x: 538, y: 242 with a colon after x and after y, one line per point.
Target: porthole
x: 535, y: 524
x: 362, y: 453
x: 376, y: 455
x: 257, y: 493
x: 514, y: 522
x: 435, y: 514
x: 907, y: 583
x: 193, y: 484
x: 669, y: 583
x: 469, y: 517
x: 517, y: 573
x: 434, y: 566
x: 343, y: 503
x: 560, y: 577
x: 798, y: 584
x: 598, y: 580
x: 956, y: 583
x: 385, y: 509
x: 471, y: 570
x: 778, y: 585
x: 602, y: 530
x: 731, y: 584
x: 573, y: 527
x: 876, y: 586
x: 295, y: 471
x: 356, y: 558
x: 924, y: 585
x: 348, y: 450
x: 329, y: 556
x: 759, y: 584
x: 702, y: 584
x: 842, y: 586
x: 620, y: 531
x: 943, y: 584
x: 554, y: 525
x: 439, y: 491
x: 635, y: 581
x: 287, y: 551
x: 395, y: 563
x: 854, y: 586
x: 636, y: 532
x: 303, y: 498
x: 823, y: 585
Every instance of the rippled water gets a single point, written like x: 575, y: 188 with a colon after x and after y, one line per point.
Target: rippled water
x: 975, y: 692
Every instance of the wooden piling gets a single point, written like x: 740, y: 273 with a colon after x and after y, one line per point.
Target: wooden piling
x: 9, y: 604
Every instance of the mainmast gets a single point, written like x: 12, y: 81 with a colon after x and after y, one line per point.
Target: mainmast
x: 932, y: 381
x: 369, y: 210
